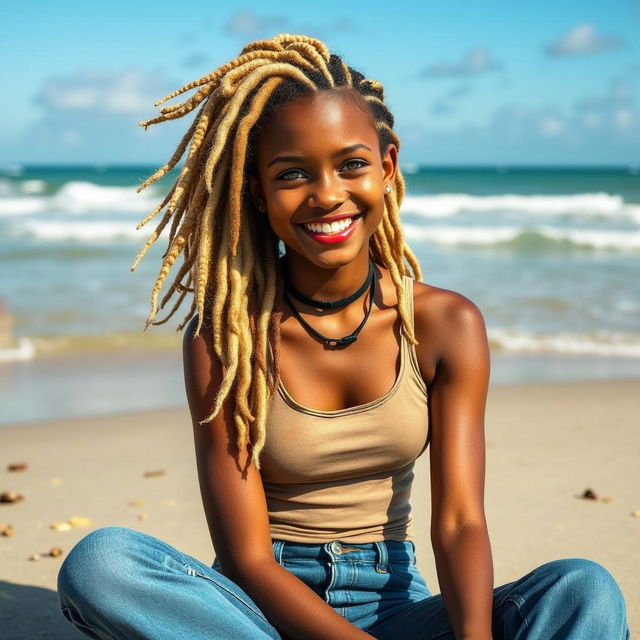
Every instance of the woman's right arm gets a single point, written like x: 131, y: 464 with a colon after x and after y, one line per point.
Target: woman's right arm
x: 236, y: 509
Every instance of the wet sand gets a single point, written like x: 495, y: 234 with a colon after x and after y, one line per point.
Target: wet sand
x: 546, y: 444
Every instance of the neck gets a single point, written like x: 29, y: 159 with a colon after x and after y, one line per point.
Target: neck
x: 326, y: 284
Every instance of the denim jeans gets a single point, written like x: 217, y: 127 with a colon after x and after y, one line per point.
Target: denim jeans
x: 119, y: 583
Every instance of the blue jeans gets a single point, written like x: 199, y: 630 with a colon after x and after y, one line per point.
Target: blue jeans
x: 120, y: 583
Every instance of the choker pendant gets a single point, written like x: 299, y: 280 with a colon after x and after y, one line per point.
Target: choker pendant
x: 352, y: 337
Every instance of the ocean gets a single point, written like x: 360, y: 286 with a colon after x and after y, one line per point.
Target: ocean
x: 551, y: 256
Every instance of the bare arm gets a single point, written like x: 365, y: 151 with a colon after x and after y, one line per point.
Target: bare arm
x: 459, y: 534
x: 236, y: 510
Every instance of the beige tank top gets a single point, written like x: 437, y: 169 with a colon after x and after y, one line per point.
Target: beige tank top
x: 346, y: 474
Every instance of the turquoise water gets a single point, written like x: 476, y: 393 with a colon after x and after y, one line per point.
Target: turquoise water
x: 551, y: 256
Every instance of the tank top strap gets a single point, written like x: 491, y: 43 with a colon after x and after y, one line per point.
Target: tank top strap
x: 410, y: 349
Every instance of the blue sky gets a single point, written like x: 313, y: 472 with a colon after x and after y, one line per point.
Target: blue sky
x: 470, y: 82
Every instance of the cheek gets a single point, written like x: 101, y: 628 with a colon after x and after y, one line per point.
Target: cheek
x: 371, y: 187
x: 282, y: 206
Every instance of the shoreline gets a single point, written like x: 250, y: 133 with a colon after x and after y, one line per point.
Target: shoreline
x: 546, y: 443
x: 89, y: 384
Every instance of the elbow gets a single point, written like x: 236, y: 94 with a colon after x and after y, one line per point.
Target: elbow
x: 443, y: 533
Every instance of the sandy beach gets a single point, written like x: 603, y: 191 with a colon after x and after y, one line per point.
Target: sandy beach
x: 546, y: 444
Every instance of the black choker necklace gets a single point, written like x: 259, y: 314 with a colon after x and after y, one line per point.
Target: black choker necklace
x: 333, y: 304
x: 352, y: 337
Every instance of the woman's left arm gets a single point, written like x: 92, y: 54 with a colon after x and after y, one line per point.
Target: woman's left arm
x: 459, y: 534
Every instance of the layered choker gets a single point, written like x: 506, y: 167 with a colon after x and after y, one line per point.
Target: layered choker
x: 370, y: 283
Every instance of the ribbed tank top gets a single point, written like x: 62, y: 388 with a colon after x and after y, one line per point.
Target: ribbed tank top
x: 347, y: 474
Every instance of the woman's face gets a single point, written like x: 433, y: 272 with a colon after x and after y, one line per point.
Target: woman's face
x: 319, y: 163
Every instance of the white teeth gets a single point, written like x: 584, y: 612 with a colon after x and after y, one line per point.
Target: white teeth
x: 325, y: 227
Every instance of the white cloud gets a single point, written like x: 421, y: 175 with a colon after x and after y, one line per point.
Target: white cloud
x: 624, y: 118
x: 582, y: 39
x: 551, y: 125
x: 476, y: 61
x: 126, y: 92
x: 598, y: 128
x: 449, y: 101
x: 246, y: 23
x: 92, y: 115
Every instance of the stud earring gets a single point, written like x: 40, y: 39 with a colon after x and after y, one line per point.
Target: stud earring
x: 261, y: 208
x: 387, y: 189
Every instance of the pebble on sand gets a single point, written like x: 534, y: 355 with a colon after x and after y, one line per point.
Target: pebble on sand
x: 589, y: 494
x: 10, y: 496
x: 6, y: 530
x: 17, y: 466
x: 80, y: 521
x: 72, y: 522
x: 54, y: 552
x: 155, y: 474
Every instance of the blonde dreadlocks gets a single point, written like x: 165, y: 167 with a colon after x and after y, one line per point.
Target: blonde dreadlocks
x: 230, y: 254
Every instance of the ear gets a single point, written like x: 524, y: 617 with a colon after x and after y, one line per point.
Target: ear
x: 390, y: 164
x: 256, y: 193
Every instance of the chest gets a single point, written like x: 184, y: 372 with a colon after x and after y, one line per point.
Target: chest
x: 330, y: 379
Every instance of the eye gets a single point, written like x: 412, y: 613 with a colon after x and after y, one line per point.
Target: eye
x: 290, y: 174
x: 354, y: 163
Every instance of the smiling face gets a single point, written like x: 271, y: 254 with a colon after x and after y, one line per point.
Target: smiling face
x: 321, y: 177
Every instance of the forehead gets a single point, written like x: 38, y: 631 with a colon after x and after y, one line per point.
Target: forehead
x: 326, y: 119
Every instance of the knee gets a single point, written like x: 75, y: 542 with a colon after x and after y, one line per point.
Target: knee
x: 97, y: 561
x: 588, y: 585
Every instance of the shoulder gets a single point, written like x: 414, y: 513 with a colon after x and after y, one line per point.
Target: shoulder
x: 444, y: 307
x: 196, y: 344
x: 449, y: 326
x: 202, y: 368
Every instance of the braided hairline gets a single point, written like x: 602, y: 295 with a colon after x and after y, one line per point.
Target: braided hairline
x: 234, y: 276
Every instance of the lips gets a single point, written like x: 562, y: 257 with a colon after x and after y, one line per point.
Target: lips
x: 330, y: 233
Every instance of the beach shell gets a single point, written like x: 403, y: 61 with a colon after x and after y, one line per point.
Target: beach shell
x: 155, y: 474
x: 34, y: 557
x: 143, y: 516
x: 80, y: 521
x: 590, y: 494
x: 54, y: 552
x: 607, y: 499
x: 10, y: 496
x: 17, y: 466
x: 636, y: 514
x: 6, y: 530
x: 136, y: 503
x: 61, y: 526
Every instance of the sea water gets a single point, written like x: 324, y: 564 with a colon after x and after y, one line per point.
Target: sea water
x: 551, y: 256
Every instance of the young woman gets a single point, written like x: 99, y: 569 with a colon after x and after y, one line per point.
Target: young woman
x: 315, y: 378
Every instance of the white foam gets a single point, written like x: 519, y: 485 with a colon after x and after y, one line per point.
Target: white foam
x: 599, y: 343
x: 89, y: 231
x: 81, y: 197
x: 24, y: 351
x: 598, y: 239
x: 33, y: 186
x: 581, y: 204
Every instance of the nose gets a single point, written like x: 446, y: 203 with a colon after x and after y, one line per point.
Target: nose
x: 327, y: 192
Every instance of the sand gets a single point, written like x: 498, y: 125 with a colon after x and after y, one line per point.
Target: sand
x: 546, y: 444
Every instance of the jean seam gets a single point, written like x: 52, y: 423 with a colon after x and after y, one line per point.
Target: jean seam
x: 229, y: 591
x: 77, y: 621
x: 519, y: 601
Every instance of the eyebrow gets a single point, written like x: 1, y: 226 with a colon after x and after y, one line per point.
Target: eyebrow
x: 350, y: 149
